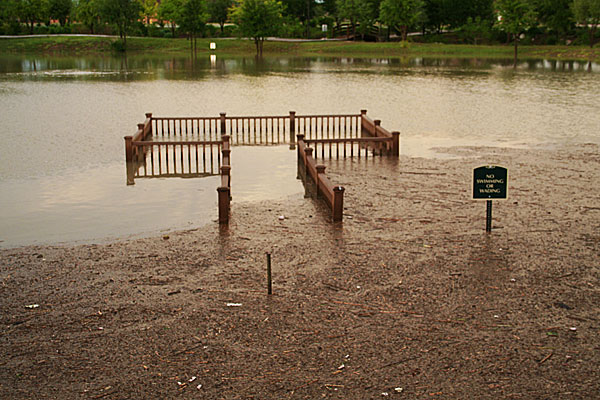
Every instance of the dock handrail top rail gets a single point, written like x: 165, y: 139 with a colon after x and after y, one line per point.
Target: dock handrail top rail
x: 175, y: 142
x: 180, y: 118
x: 261, y: 116
x: 326, y: 115
x: 355, y: 140
x: 384, y: 131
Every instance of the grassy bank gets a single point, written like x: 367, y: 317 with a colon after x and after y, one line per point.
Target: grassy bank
x: 93, y: 45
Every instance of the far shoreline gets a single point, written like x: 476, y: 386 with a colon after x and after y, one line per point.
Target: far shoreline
x: 102, y: 44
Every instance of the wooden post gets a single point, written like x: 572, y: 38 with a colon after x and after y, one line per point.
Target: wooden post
x: 299, y: 138
x: 149, y: 116
x: 320, y: 170
x: 226, y: 148
x: 223, y: 204
x: 338, y: 203
x: 363, y: 113
x: 396, y: 144
x: 269, y: 282
x: 377, y: 123
x: 130, y: 173
x: 142, y: 136
x: 301, y: 161
x: 308, y: 151
x: 226, y: 153
x: 292, y: 129
x: 223, y: 124
x: 128, y: 149
x: 226, y: 172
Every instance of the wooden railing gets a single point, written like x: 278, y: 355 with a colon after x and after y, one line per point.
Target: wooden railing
x: 333, y: 195
x: 329, y: 126
x: 258, y: 130
x: 360, y: 147
x: 200, y: 128
x: 264, y: 130
x: 201, y: 146
x: 132, y: 152
x: 170, y: 159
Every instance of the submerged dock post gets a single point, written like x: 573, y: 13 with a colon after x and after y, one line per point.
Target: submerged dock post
x: 128, y: 149
x: 223, y: 204
x: 149, y: 118
x: 338, y: 203
x: 292, y: 130
x: 223, y: 123
x: 396, y: 144
x: 308, y: 152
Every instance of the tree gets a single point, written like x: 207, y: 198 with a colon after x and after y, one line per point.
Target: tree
x: 555, y: 15
x: 121, y: 13
x: 353, y: 11
x: 218, y: 11
x: 32, y: 11
x: 9, y: 14
x: 9, y: 10
x: 60, y: 10
x: 258, y: 19
x: 149, y: 8
x: 192, y: 19
x: 88, y: 13
x: 168, y: 10
x: 587, y: 12
x: 434, y: 17
x: 457, y: 12
x: 300, y: 10
x: 402, y: 14
x: 476, y: 29
x: 514, y: 17
x: 368, y: 16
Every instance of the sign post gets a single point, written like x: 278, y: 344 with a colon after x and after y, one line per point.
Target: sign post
x: 489, y: 182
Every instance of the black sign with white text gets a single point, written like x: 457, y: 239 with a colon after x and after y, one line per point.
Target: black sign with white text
x: 490, y: 182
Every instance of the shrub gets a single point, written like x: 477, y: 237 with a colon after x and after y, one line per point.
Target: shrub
x: 211, y: 31
x: 12, y: 28
x: 229, y: 31
x: 57, y: 29
x: 118, y: 46
x: 155, y: 31
x: 40, y: 30
x: 292, y: 28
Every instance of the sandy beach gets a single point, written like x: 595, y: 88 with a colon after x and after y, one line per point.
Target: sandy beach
x: 408, y: 297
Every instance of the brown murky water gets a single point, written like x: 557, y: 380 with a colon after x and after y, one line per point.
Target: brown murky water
x: 62, y: 172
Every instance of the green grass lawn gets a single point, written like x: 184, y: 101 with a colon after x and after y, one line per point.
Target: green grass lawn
x: 93, y: 45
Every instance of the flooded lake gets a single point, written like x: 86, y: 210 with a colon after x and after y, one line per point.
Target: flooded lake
x: 62, y: 170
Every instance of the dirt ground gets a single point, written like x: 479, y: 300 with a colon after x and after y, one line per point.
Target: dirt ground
x: 408, y: 298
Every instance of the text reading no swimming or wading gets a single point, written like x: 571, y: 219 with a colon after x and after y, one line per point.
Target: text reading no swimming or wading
x: 489, y: 182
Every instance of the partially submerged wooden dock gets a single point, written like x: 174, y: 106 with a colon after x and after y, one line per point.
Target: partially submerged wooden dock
x: 189, y: 147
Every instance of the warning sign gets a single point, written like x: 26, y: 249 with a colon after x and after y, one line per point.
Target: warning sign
x: 490, y: 182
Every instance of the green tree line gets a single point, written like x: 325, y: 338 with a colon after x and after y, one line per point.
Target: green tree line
x: 471, y: 21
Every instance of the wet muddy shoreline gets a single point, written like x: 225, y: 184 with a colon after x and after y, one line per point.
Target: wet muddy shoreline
x: 408, y: 296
